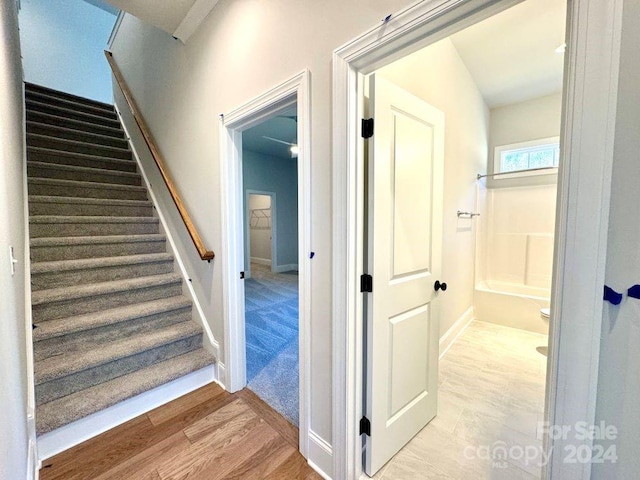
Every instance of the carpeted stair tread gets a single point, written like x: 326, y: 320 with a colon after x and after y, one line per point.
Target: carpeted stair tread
x: 70, y: 104
x: 65, y: 326
x: 56, y: 120
x: 80, y: 183
x: 65, y: 410
x: 85, y: 201
x: 32, y: 88
x: 84, y: 263
x: 38, y: 128
x: 97, y: 240
x: 89, y: 219
x: 34, y: 105
x: 120, y: 163
x: 82, y: 291
x: 77, y: 168
x: 66, y: 145
x: 75, y: 361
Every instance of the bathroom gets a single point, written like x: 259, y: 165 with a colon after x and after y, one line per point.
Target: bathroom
x: 499, y: 86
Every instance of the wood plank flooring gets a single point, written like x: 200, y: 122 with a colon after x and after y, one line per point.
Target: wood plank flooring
x: 208, y: 434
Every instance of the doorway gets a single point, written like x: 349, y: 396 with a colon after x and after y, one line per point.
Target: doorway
x: 271, y: 293
x: 254, y: 153
x: 405, y: 33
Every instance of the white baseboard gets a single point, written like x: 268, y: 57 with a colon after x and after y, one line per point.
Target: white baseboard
x: 285, y: 268
x: 222, y: 375
x: 320, y: 455
x: 261, y: 261
x: 81, y: 430
x: 33, y: 472
x: 455, y: 331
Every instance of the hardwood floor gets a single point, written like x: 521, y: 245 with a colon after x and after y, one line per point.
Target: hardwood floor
x: 208, y: 434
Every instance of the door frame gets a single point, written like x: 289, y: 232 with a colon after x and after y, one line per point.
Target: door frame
x: 294, y: 91
x: 584, y: 186
x: 273, y: 242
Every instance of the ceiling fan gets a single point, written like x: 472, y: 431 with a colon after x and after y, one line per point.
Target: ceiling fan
x: 293, y: 147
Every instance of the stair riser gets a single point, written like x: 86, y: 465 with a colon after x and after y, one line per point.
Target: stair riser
x: 75, y: 124
x: 47, y: 208
x: 43, y: 281
x: 68, y: 308
x: 69, y: 159
x: 57, y: 144
x: 79, y: 136
x: 42, y: 171
x: 94, y: 338
x: 70, y: 103
x: 73, y: 114
x: 86, y: 192
x: 87, y: 378
x: 74, y: 252
x: 39, y: 230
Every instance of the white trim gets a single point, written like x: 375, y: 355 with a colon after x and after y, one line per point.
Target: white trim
x: 221, y: 375
x: 261, y: 261
x: 274, y: 229
x: 211, y: 344
x: 455, y: 330
x: 582, y: 215
x: 582, y: 222
x: 28, y: 313
x: 33, y: 463
x: 115, y: 29
x: 194, y: 17
x: 322, y: 453
x: 63, y: 438
x: 296, y: 90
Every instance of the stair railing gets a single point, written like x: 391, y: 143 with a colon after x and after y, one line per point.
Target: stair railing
x: 160, y: 163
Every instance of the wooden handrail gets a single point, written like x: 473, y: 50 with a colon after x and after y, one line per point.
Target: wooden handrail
x: 157, y: 156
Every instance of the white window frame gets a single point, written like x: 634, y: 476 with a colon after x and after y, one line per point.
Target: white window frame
x: 499, y: 150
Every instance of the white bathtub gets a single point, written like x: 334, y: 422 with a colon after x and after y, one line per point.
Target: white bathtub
x: 512, y: 305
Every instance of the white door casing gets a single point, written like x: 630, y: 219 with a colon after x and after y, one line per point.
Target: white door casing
x: 406, y: 162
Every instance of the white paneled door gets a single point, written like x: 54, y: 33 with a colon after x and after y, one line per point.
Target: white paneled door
x: 404, y: 218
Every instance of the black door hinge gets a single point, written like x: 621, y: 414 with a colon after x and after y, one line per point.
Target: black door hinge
x: 367, y: 127
x: 366, y: 283
x: 241, y: 275
x: 365, y: 426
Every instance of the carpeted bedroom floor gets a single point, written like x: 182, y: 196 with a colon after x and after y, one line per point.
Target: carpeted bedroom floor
x: 271, y: 329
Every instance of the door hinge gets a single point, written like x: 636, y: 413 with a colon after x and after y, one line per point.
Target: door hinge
x: 366, y: 283
x: 241, y: 275
x: 365, y: 426
x: 367, y: 127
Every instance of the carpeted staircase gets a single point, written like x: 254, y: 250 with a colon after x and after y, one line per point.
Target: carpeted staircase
x: 110, y: 318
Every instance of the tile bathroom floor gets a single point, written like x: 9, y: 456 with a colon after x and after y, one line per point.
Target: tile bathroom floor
x: 490, y: 398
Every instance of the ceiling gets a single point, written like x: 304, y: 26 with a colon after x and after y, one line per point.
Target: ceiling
x: 179, y: 18
x: 283, y: 127
x: 511, y: 56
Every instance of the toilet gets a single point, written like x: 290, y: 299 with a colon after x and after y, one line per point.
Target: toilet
x: 545, y: 314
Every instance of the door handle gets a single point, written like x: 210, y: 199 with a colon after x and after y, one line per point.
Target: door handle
x: 440, y: 286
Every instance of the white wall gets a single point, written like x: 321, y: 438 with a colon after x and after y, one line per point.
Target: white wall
x: 239, y: 52
x: 438, y: 75
x: 280, y: 176
x: 619, y: 376
x: 520, y: 122
x: 63, y: 44
x: 260, y: 227
x: 13, y: 364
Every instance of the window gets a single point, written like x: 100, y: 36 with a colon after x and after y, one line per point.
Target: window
x: 533, y: 155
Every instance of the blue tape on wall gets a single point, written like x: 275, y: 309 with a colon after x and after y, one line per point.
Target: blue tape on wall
x: 610, y: 295
x: 634, y: 292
